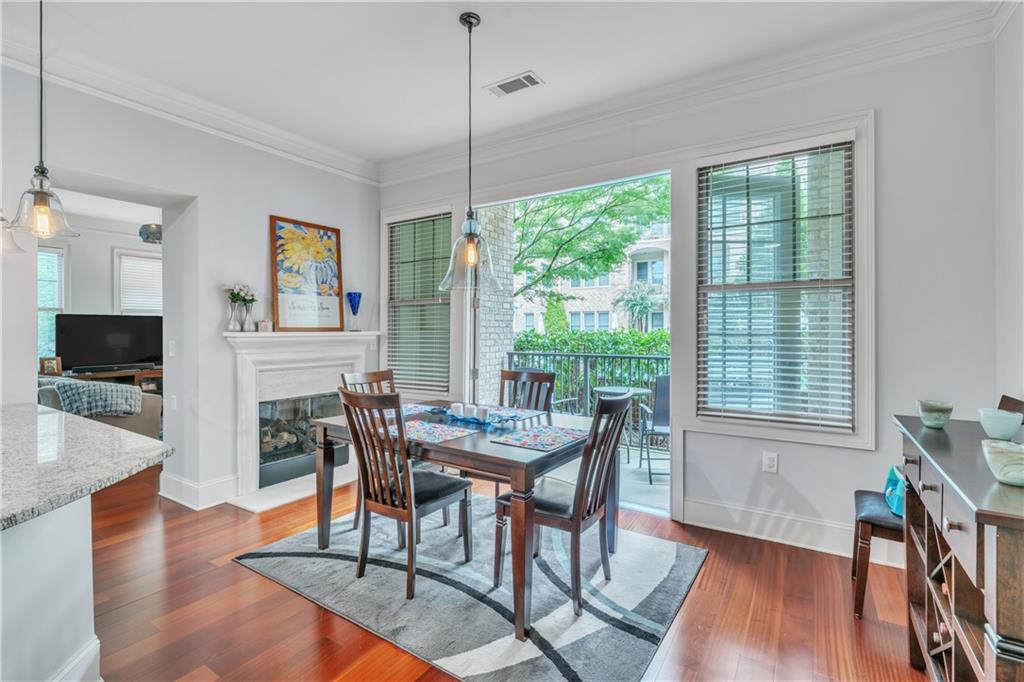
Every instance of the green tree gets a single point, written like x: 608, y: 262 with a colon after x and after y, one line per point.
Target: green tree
x: 584, y: 233
x: 555, y: 319
x: 640, y: 299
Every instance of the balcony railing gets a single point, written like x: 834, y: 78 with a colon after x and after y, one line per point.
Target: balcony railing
x: 578, y: 374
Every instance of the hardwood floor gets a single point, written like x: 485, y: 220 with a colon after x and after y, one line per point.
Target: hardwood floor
x: 170, y: 604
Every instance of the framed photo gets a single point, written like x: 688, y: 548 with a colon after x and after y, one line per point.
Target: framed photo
x: 305, y: 266
x: 50, y: 366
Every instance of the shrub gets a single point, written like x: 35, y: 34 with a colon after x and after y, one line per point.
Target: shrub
x: 555, y: 319
x: 613, y: 342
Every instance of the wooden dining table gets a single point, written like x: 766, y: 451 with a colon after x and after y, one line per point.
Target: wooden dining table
x: 479, y: 453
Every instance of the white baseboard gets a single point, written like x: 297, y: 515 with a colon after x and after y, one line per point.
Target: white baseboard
x: 198, y: 495
x: 83, y: 666
x: 787, y: 528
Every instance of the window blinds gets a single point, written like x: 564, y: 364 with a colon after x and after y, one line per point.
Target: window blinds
x: 140, y: 285
x: 775, y: 281
x: 419, y: 334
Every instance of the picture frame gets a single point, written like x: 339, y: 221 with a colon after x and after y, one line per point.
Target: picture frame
x: 306, y: 278
x: 50, y: 367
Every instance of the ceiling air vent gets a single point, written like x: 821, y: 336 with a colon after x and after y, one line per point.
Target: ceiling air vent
x: 522, y: 81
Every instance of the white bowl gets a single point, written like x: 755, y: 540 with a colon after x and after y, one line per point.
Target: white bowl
x: 1006, y: 460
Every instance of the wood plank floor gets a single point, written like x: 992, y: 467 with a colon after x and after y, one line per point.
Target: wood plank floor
x: 170, y: 604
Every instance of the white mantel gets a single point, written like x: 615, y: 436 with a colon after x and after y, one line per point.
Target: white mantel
x: 276, y: 365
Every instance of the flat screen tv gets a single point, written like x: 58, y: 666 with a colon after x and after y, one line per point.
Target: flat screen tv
x: 109, y: 340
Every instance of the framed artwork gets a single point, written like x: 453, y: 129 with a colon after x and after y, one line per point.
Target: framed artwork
x: 50, y: 366
x: 305, y: 266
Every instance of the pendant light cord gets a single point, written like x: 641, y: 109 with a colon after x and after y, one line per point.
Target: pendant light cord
x: 42, y: 167
x: 469, y: 98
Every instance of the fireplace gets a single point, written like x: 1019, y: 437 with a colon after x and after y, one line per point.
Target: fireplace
x: 288, y: 437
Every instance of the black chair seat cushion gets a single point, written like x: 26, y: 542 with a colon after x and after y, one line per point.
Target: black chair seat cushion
x: 433, y: 485
x: 872, y: 508
x: 551, y: 497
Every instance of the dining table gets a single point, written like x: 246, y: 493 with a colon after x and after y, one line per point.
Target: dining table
x: 478, y: 452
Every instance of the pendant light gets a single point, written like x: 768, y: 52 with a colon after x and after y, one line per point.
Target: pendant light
x: 40, y: 211
x: 469, y: 268
x: 8, y: 244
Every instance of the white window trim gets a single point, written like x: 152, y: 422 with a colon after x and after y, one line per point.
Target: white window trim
x: 118, y: 253
x: 860, y: 129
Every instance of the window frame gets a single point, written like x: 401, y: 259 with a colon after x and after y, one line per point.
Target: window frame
x: 118, y: 254
x: 649, y: 263
x: 529, y: 322
x: 859, y: 128
x: 62, y: 284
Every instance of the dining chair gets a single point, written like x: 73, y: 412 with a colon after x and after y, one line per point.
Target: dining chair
x: 656, y: 422
x: 574, y: 508
x: 391, y: 487
x: 569, y: 405
x: 873, y: 519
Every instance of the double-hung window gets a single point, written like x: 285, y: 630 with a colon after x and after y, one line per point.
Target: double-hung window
x: 650, y: 271
x: 419, y: 315
x: 139, y: 283
x: 529, y: 321
x: 775, y: 289
x: 49, y: 298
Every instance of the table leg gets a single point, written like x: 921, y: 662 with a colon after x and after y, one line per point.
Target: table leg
x: 522, y: 559
x: 612, y: 508
x: 324, y: 487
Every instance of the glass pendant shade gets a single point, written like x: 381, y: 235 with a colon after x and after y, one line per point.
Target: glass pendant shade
x: 470, y: 267
x: 8, y: 244
x: 41, y: 213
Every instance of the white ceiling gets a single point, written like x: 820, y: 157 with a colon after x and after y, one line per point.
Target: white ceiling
x: 385, y: 81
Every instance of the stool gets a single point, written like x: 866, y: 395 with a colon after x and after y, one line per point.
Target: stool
x: 874, y: 519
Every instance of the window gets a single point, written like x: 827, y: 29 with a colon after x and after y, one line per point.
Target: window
x: 419, y: 321
x: 577, y: 283
x: 575, y: 321
x: 775, y: 289
x: 589, y: 321
x: 49, y: 298
x: 656, y: 321
x: 529, y: 322
x: 602, y: 321
x: 139, y: 278
x: 650, y: 271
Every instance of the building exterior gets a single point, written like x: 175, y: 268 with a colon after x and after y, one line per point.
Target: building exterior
x: 590, y: 305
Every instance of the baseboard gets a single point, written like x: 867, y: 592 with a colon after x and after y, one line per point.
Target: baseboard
x: 84, y: 665
x: 807, y: 532
x: 198, y: 495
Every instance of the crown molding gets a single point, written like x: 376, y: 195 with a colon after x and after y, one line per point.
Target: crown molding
x: 115, y: 85
x: 1002, y: 16
x: 867, y: 51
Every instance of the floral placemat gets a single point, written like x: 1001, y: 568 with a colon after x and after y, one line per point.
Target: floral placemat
x: 430, y: 432
x: 511, y: 413
x: 414, y: 408
x: 543, y: 438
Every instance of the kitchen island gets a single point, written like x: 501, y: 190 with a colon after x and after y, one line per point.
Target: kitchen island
x: 50, y: 464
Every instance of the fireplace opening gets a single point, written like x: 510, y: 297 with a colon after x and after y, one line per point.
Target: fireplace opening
x: 288, y: 437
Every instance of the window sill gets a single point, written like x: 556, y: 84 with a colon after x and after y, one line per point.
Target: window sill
x: 742, y: 428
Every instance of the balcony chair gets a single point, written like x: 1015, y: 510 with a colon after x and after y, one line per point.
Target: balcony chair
x: 656, y: 422
x: 391, y: 486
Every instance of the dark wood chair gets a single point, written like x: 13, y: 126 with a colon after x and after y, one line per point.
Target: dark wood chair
x: 656, y: 422
x: 391, y: 486
x: 574, y: 508
x: 874, y: 519
x: 1011, y: 404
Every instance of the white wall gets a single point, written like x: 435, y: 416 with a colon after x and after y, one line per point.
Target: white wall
x: 1009, y: 207
x: 935, y: 253
x: 89, y: 262
x: 217, y: 195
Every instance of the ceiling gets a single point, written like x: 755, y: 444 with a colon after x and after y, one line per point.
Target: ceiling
x: 385, y: 81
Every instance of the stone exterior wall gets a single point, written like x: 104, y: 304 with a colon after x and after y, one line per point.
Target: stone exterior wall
x: 497, y: 311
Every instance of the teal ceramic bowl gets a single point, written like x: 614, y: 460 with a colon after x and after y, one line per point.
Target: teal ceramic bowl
x: 1000, y: 424
x: 1006, y: 460
x: 934, y: 413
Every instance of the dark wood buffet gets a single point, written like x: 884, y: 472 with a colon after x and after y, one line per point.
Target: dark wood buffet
x: 964, y: 539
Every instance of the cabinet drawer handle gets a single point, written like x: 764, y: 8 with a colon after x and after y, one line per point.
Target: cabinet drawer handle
x: 948, y: 526
x: 926, y: 487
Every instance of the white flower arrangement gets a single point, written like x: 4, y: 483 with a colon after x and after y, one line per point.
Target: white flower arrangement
x: 241, y: 293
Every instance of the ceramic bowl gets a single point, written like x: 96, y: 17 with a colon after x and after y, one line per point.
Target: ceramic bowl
x: 999, y: 424
x: 1006, y: 460
x: 934, y: 413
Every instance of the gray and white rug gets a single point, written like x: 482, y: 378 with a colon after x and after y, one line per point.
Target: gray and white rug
x: 461, y: 624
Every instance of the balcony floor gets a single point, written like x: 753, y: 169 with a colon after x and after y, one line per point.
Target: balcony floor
x: 634, y: 488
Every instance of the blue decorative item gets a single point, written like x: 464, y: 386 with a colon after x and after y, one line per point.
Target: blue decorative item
x: 895, y: 489
x: 354, y: 298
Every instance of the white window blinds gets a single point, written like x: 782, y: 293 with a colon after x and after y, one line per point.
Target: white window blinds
x: 140, y: 285
x: 419, y: 334
x: 776, y: 289
x: 49, y: 298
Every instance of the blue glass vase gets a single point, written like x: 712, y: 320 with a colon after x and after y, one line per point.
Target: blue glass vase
x: 354, y: 298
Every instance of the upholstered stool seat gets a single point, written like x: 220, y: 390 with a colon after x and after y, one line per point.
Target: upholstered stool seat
x: 874, y: 518
x: 872, y: 508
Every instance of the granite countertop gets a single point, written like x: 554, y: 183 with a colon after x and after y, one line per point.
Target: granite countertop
x: 50, y: 458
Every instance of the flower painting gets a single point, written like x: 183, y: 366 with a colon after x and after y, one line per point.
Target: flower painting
x: 306, y: 268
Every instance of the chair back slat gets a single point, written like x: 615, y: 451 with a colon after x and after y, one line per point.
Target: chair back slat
x: 378, y: 381
x: 599, y: 453
x: 1011, y: 404
x: 527, y: 389
x: 383, y: 460
x: 662, y: 407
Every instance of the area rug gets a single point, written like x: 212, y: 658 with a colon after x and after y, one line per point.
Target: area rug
x: 461, y: 624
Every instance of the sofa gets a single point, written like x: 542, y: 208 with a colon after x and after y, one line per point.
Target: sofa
x: 146, y: 423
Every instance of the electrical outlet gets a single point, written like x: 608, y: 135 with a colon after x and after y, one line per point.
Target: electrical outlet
x: 172, y: 402
x: 770, y: 462
x: 170, y: 348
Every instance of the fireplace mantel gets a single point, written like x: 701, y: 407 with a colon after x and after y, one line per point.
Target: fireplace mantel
x: 276, y: 365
